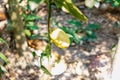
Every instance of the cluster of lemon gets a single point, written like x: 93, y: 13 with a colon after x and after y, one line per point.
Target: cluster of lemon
x: 60, y: 38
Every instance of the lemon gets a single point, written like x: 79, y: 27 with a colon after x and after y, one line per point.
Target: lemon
x: 60, y: 38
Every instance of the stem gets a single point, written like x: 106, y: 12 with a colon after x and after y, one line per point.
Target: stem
x: 18, y: 26
x: 49, y: 16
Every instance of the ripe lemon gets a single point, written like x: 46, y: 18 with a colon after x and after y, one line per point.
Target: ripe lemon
x: 60, y: 38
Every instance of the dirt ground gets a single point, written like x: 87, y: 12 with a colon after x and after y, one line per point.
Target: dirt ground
x: 85, y: 61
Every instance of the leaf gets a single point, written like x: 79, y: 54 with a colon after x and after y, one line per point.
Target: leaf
x: 27, y: 32
x: 2, y: 56
x: 31, y: 17
x: 32, y: 27
x: 36, y: 1
x: 46, y: 52
x: 45, y: 70
x: 3, y: 41
x: 75, y: 23
x: 91, y: 34
x: 30, y: 23
x: 34, y: 54
x: 71, y: 38
x: 35, y: 36
x: 71, y: 8
x: 3, y: 68
x: 71, y: 32
x: 116, y: 3
x: 92, y: 27
x: 116, y: 24
x: 60, y: 38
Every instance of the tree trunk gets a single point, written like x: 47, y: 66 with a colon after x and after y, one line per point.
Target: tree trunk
x: 115, y: 75
x: 18, y: 27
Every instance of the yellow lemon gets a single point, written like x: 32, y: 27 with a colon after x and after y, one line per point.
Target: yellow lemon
x: 60, y: 38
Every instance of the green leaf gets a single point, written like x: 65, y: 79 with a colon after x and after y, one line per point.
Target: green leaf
x: 24, y: 15
x: 36, y: 1
x: 71, y: 32
x: 46, y: 52
x: 45, y: 70
x: 92, y: 27
x: 116, y: 3
x: 75, y: 23
x: 27, y: 32
x: 108, y: 1
x: 3, y: 41
x: 71, y: 38
x: 3, y: 68
x: 71, y: 8
x: 91, y: 34
x: 35, y: 36
x: 2, y: 56
x: 116, y: 24
x: 30, y: 23
x: 32, y: 27
x: 59, y: 3
x: 31, y: 17
x: 34, y: 54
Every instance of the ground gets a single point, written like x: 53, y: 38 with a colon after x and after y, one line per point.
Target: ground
x: 85, y: 61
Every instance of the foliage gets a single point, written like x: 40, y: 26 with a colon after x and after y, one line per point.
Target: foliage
x: 3, y: 58
x: 4, y: 41
x: 45, y: 53
x: 115, y: 3
x: 29, y: 22
x: 78, y: 32
x: 70, y: 8
x: 116, y: 24
x: 28, y: 16
x: 89, y: 31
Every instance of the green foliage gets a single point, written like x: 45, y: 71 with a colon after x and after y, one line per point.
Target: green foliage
x: 36, y: 1
x: 27, y: 32
x: 4, y: 41
x: 45, y: 53
x: 2, y: 68
x: 32, y: 17
x: 71, y: 8
x: 29, y: 19
x: 74, y: 32
x: 73, y: 36
x: 115, y: 3
x: 30, y: 25
x: 2, y: 56
x: 34, y: 54
x: 45, y: 70
x: 116, y: 24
